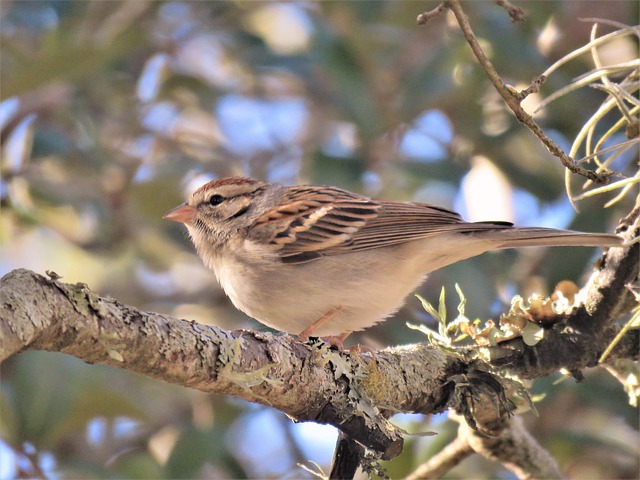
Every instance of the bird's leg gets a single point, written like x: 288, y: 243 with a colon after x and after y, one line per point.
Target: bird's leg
x: 337, y: 340
x: 334, y: 340
x: 307, y: 332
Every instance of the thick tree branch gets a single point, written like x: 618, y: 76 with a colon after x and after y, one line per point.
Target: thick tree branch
x: 307, y: 382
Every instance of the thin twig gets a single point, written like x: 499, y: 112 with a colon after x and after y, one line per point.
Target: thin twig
x: 442, y: 462
x: 511, y: 98
x: 516, y: 13
x: 534, y: 87
x: 424, y: 17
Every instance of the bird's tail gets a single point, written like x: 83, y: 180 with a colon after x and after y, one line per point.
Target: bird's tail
x: 516, y: 237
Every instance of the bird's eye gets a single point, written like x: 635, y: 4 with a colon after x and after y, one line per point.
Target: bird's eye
x: 216, y: 199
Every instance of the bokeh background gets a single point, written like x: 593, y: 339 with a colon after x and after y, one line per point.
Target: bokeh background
x: 113, y: 111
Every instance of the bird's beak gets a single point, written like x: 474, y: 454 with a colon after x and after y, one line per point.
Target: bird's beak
x: 183, y: 213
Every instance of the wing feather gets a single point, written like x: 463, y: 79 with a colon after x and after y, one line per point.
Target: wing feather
x: 319, y: 221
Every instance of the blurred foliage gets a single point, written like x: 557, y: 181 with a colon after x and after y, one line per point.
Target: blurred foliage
x: 113, y: 111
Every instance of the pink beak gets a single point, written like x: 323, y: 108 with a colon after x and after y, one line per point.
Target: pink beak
x: 184, y: 213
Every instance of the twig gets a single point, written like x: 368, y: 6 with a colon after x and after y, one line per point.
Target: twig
x: 446, y: 459
x: 516, y: 13
x: 513, y: 100
x: 534, y: 87
x: 424, y: 17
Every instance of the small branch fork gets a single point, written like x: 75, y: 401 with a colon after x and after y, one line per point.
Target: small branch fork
x: 511, y: 445
x: 512, y: 98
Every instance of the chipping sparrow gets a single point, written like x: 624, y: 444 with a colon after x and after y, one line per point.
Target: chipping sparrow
x: 313, y: 260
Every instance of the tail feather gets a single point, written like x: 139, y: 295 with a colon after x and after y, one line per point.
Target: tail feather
x: 516, y: 237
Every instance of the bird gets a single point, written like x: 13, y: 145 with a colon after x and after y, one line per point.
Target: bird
x: 320, y: 261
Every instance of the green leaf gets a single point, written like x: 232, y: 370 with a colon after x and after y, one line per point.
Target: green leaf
x: 442, y: 313
x: 430, y: 309
x: 463, y: 301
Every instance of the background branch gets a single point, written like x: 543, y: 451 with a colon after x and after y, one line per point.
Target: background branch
x: 513, y: 99
x: 514, y: 447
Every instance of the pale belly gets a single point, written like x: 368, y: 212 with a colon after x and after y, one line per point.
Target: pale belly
x: 361, y: 290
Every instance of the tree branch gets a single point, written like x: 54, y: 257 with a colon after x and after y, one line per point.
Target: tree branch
x: 446, y: 459
x: 505, y: 440
x: 307, y: 382
x: 515, y: 448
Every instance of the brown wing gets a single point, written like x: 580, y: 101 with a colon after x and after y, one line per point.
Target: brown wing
x: 319, y: 221
x: 313, y: 220
x: 402, y: 222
